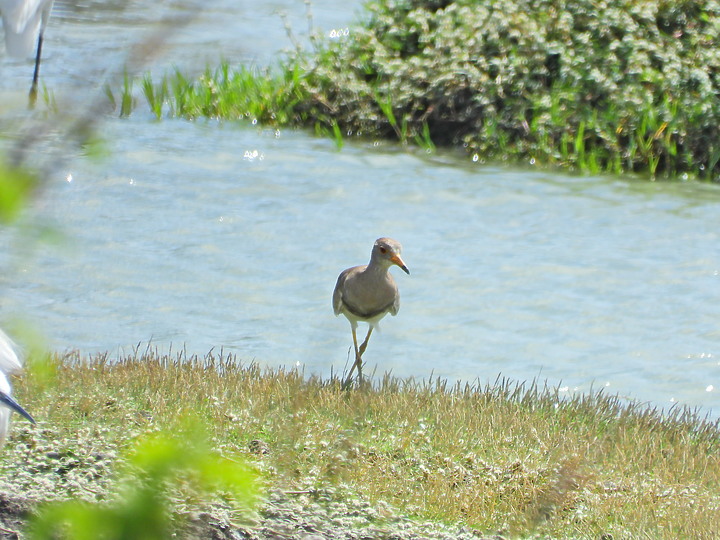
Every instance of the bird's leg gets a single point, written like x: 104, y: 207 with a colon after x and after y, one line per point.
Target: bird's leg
x: 365, y: 343
x: 358, y: 357
x: 36, y: 74
x: 357, y: 363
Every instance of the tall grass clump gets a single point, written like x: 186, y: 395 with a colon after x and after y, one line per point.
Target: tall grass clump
x: 264, y: 96
x: 507, y: 458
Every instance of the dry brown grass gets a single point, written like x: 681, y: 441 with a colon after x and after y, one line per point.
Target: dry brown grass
x: 505, y: 458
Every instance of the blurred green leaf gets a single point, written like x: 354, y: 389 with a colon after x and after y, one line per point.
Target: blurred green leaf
x: 16, y: 185
x: 155, y: 464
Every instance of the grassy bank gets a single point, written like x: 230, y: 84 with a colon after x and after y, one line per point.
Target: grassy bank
x: 502, y: 458
x: 623, y: 86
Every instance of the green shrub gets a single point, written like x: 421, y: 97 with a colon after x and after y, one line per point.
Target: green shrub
x: 618, y: 86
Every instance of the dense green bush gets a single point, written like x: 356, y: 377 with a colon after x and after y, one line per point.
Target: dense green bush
x: 629, y: 85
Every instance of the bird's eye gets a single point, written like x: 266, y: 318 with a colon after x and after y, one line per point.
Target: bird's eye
x: 383, y: 250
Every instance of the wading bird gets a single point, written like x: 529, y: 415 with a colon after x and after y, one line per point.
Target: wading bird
x: 367, y: 293
x: 24, y: 21
x: 9, y: 363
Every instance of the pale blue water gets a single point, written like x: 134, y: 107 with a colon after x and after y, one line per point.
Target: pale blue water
x: 204, y: 235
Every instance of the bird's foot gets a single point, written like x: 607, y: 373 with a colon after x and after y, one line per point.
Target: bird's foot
x: 348, y: 383
x: 349, y: 380
x: 32, y: 98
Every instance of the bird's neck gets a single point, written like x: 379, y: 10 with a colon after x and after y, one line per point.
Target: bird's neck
x: 375, y: 267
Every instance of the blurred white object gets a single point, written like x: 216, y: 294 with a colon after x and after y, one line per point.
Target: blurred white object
x: 9, y: 363
x: 24, y: 22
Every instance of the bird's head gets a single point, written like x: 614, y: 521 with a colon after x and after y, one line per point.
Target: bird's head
x: 387, y: 251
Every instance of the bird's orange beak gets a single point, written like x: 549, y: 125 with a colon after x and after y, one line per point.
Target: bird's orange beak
x: 398, y: 261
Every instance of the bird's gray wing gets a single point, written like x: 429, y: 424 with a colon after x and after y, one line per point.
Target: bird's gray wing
x: 337, y: 299
x: 396, y: 305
